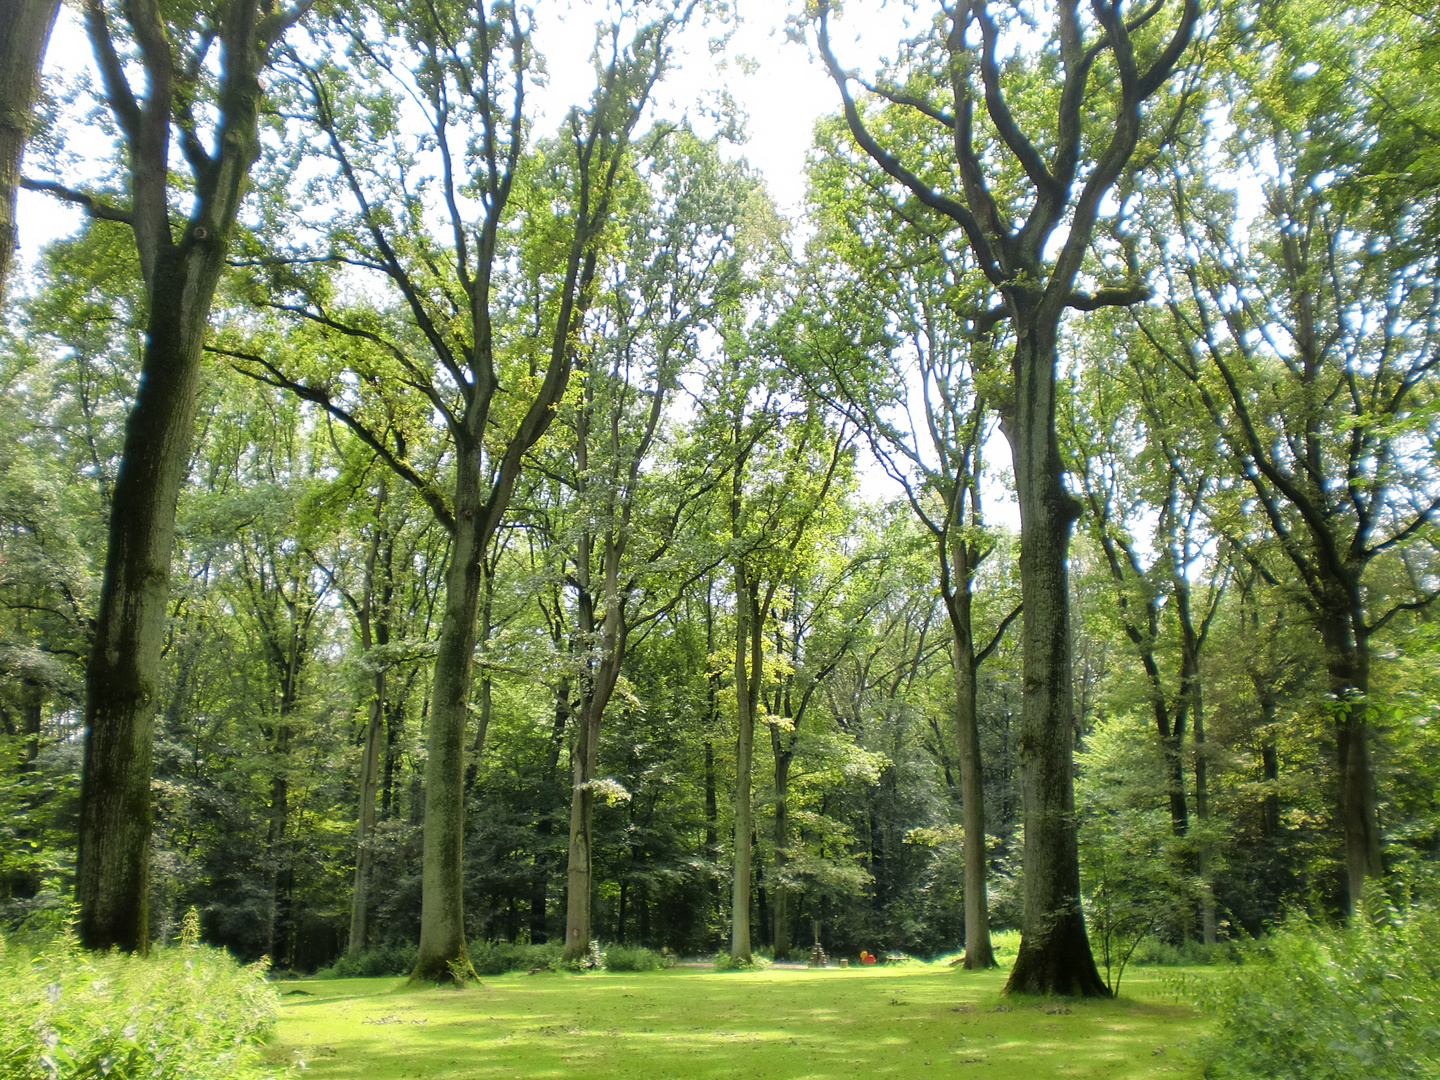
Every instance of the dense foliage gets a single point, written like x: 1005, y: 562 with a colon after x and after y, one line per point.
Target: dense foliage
x: 184, y: 1013
x: 708, y: 638
x: 1311, y: 1001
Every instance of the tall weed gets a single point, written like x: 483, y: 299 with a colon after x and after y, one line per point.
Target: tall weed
x: 180, y: 1014
x: 1312, y: 1003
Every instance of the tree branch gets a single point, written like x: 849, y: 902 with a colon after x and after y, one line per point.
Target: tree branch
x: 92, y: 206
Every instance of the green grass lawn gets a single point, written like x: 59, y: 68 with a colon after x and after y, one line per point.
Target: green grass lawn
x: 909, y: 1021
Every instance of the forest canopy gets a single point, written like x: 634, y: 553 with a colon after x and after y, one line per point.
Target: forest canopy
x: 425, y: 525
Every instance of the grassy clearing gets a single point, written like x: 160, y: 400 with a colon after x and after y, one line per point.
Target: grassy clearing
x: 910, y: 1021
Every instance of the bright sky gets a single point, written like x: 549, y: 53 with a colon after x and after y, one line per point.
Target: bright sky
x: 779, y: 84
x: 783, y: 93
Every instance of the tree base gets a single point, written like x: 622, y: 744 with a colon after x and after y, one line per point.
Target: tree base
x: 438, y: 971
x: 982, y: 961
x: 1056, y: 968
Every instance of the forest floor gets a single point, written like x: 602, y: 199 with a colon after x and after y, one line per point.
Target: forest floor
x: 910, y: 1021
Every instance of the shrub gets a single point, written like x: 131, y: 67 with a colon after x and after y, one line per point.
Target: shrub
x: 371, y: 963
x: 724, y: 962
x: 180, y: 1014
x: 498, y: 957
x: 593, y: 960
x: 1153, y: 952
x: 1309, y: 1003
x: 624, y: 958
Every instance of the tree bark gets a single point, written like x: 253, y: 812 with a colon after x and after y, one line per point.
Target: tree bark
x: 749, y: 645
x: 1054, y: 956
x: 978, y: 951
x: 25, y: 27
x: 374, y: 630
x: 366, y: 819
x: 582, y: 815
x: 540, y: 882
x: 1008, y: 237
x: 443, y: 955
x: 1347, y: 664
x: 122, y: 676
x: 784, y: 755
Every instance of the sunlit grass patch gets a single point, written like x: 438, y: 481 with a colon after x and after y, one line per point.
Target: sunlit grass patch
x: 909, y: 1021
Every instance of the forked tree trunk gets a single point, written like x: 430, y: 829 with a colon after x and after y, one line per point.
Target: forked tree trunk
x: 180, y: 274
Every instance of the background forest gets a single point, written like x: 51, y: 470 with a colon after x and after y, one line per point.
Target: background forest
x: 726, y: 498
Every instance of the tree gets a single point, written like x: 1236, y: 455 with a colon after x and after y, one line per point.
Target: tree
x: 1115, y: 60
x: 1309, y: 338
x: 782, y: 461
x: 181, y: 259
x: 487, y: 320
x: 681, y: 276
x: 892, y: 294
x: 1139, y: 462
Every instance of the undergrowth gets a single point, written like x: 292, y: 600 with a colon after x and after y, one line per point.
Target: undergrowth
x: 1314, y: 1003
x: 188, y: 1013
x: 498, y: 958
x: 372, y: 963
x: 626, y: 958
x: 725, y: 962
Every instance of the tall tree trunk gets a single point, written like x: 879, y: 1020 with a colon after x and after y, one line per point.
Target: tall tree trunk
x: 605, y: 652
x: 373, y: 631
x: 714, y: 886
x: 582, y: 815
x: 123, y: 676
x: 1347, y: 664
x: 1205, y: 856
x: 783, y: 747
x: 487, y: 687
x: 978, y: 950
x: 443, y: 955
x: 32, y: 714
x: 1192, y: 695
x: 180, y: 275
x: 960, y: 570
x: 1054, y: 956
x: 365, y: 825
x: 394, y: 728
x: 749, y: 644
x: 274, y: 877
x: 540, y: 882
x: 25, y: 27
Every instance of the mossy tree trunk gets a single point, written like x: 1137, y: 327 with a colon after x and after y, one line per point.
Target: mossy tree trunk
x: 181, y: 263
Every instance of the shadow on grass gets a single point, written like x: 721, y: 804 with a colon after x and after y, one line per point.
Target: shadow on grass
x: 805, y: 1025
